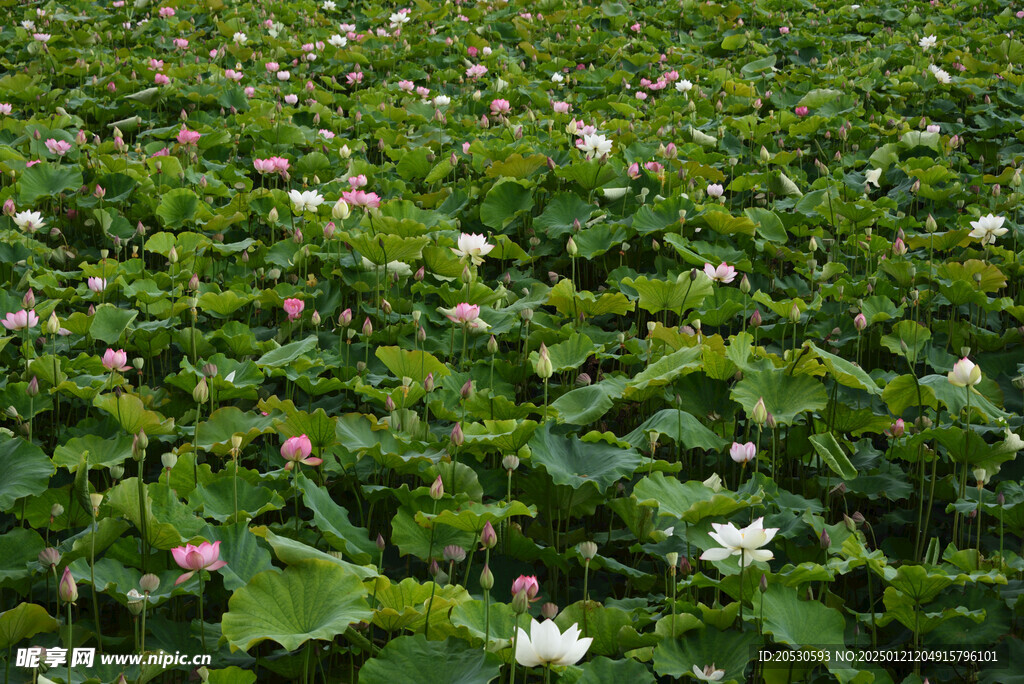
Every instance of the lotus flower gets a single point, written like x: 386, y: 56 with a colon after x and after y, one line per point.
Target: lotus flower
x: 872, y: 176
x: 724, y: 273
x: 97, y: 285
x: 743, y: 453
x: 964, y: 373
x: 527, y: 583
x: 708, y: 674
x: 715, y: 190
x: 187, y: 137
x: 20, y: 320
x: 473, y: 246
x: 546, y: 646
x: 206, y: 556
x: 293, y: 307
x: 58, y: 147
x: 988, y: 228
x: 361, y: 199
x: 115, y: 360
x: 927, y: 42
x: 746, y: 542
x: 595, y: 146
x: 305, y: 200
x: 298, y: 450
x: 29, y: 220
x: 467, y: 315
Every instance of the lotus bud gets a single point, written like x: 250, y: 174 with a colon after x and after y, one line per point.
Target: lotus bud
x: 428, y: 383
x: 389, y: 404
x: 488, y: 537
x: 760, y: 413
x: 763, y: 584
x: 520, y: 602
x: 56, y: 510
x: 492, y: 345
x: 457, y: 438
x: 860, y: 322
x: 117, y: 471
x: 437, y: 489
x: 467, y: 390
x: 172, y: 256
x: 33, y: 387
x: 526, y: 314
x: 510, y: 462
x: 794, y: 313
x: 549, y: 610
x: 486, y: 579
x: 744, y: 284
x: 570, y: 247
x: 380, y: 542
x: 367, y: 327
x: 544, y: 368
x: 755, y: 318
x: 201, y: 393
x: 67, y: 589
x: 824, y: 539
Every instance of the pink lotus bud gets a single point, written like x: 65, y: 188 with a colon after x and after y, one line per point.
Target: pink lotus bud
x: 457, y: 438
x: 437, y: 489
x: 488, y: 537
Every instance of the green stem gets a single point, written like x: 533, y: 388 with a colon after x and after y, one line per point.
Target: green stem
x: 142, y: 512
x: 92, y: 581
x: 433, y: 583
x: 295, y: 480
x: 202, y: 626
x: 487, y: 604
x: 70, y: 639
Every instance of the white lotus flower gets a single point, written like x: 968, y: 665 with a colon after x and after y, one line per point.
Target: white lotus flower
x: 964, y: 373
x: 29, y: 220
x: 442, y: 100
x: 240, y: 38
x: 473, y: 246
x: 557, y: 77
x: 708, y: 674
x: 305, y: 200
x: 941, y: 75
x: 596, y: 145
x: 927, y: 42
x: 988, y: 228
x: 338, y: 41
x: 684, y: 85
x: 329, y: 5
x: 546, y: 646
x: 872, y: 176
x: 398, y: 18
x: 746, y: 542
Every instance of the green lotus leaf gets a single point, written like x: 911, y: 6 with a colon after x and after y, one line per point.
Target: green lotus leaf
x: 569, y: 461
x: 312, y: 599
x: 22, y: 622
x: 412, y: 659
x: 26, y: 470
x: 785, y: 396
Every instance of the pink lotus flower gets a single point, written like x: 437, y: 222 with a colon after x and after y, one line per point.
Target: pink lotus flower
x: 783, y: 30
x: 298, y: 450
x: 723, y: 274
x: 180, y: 43
x: 206, y: 556
x: 6, y: 108
x: 187, y: 137
x: 293, y: 307
x: 116, y: 360
x: 801, y: 111
x: 156, y: 64
x: 233, y: 75
x: 166, y: 12
x: 476, y: 71
x: 357, y: 182
x: 272, y: 67
x: 897, y: 429
x: 423, y: 92
x: 58, y: 147
x: 634, y: 170
x: 21, y: 320
x: 97, y: 285
x: 560, y: 107
x: 527, y: 583
x: 743, y: 453
x: 354, y: 77
x: 500, y: 107
x: 364, y: 200
x: 161, y: 79
x: 407, y: 86
x: 467, y: 315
